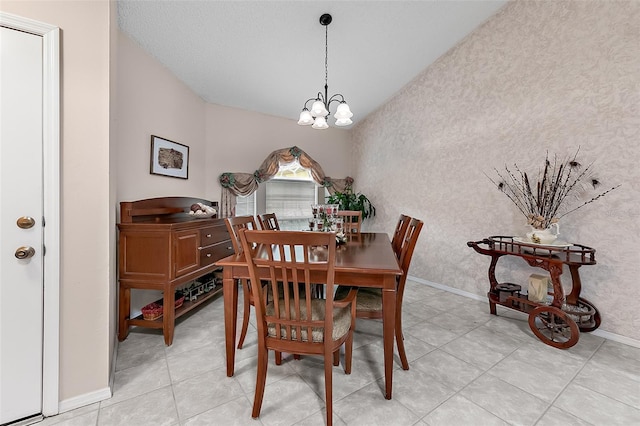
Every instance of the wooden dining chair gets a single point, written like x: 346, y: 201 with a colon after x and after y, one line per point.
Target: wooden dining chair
x: 301, y: 258
x: 352, y: 220
x: 269, y: 222
x: 369, y: 301
x: 234, y: 224
x: 398, y: 234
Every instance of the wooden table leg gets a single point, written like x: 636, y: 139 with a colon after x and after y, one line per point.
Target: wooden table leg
x: 230, y: 291
x: 388, y: 330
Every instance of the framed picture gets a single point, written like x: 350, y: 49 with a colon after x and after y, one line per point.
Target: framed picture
x: 169, y: 158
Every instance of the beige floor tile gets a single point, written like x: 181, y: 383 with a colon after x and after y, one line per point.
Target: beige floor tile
x: 204, y: 392
x: 505, y: 401
x: 467, y: 367
x: 596, y: 408
x: 154, y: 408
x: 458, y: 410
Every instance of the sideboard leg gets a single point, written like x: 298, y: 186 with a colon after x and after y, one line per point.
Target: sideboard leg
x: 124, y: 311
x: 169, y: 315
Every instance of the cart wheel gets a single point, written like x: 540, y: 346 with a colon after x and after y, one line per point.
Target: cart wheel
x: 553, y: 327
x: 595, y: 320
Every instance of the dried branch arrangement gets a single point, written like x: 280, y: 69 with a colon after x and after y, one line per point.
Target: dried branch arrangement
x: 546, y: 201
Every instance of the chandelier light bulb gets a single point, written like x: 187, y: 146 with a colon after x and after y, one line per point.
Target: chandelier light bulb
x: 343, y: 111
x: 343, y: 122
x: 318, y: 109
x: 320, y: 123
x: 305, y: 118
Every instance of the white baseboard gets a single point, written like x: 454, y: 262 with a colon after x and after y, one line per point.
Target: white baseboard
x: 601, y: 333
x: 617, y: 338
x: 85, y: 399
x: 95, y: 396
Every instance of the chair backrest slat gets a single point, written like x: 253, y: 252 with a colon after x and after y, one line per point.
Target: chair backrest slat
x: 408, y: 246
x: 399, y: 233
x: 234, y: 224
x: 269, y: 222
x: 352, y: 220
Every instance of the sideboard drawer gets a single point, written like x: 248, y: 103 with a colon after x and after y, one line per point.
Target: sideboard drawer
x: 212, y: 235
x: 213, y: 253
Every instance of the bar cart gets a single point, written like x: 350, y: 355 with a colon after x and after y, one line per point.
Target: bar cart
x: 560, y: 322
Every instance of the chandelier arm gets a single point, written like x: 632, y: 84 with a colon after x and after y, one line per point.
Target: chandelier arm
x: 334, y: 98
x: 307, y: 101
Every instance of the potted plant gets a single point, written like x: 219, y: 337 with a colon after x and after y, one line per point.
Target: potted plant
x: 348, y: 200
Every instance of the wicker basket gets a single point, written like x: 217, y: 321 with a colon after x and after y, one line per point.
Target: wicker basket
x: 179, y: 302
x: 152, y: 311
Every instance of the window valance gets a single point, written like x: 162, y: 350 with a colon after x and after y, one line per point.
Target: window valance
x: 234, y: 184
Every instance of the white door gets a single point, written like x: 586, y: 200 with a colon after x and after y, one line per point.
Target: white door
x: 21, y: 227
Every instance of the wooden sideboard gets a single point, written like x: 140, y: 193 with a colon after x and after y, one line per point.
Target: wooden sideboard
x: 162, y: 247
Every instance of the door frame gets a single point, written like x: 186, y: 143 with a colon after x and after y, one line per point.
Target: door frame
x: 51, y: 202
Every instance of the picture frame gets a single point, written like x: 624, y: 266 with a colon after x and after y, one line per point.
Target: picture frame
x: 169, y: 158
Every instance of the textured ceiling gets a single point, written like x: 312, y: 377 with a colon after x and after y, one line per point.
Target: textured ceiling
x: 268, y: 56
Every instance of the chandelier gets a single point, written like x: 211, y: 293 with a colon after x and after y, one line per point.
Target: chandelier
x: 319, y: 112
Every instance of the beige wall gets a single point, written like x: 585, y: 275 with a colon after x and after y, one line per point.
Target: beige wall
x: 113, y: 172
x: 240, y: 140
x: 537, y: 76
x: 86, y: 254
x: 152, y: 101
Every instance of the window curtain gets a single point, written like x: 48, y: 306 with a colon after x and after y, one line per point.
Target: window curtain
x: 234, y: 184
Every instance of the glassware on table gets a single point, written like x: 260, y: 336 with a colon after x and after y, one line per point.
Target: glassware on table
x: 312, y: 224
x: 320, y: 225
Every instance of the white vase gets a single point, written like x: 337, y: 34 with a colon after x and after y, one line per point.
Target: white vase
x: 544, y: 236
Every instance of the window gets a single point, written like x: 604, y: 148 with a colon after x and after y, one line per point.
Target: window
x: 290, y: 195
x: 246, y: 206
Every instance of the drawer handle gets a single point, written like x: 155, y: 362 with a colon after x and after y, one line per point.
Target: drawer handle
x: 208, y: 254
x: 208, y: 235
x: 229, y: 248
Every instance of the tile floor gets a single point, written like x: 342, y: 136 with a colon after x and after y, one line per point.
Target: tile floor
x: 467, y: 367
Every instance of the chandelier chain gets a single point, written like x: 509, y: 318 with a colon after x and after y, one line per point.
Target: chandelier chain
x: 326, y: 54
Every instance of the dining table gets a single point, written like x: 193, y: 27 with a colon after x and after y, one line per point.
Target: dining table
x: 365, y: 259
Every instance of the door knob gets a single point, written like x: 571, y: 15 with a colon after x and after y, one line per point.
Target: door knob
x: 25, y: 222
x: 25, y: 252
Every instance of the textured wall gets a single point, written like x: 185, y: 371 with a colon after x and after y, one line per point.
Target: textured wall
x: 537, y: 77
